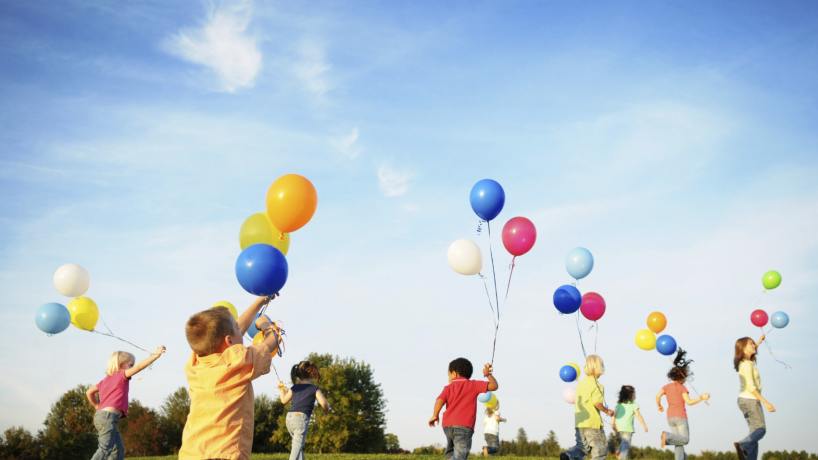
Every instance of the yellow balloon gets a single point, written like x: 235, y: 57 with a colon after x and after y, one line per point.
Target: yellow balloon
x: 229, y: 306
x: 576, y: 368
x: 84, y: 313
x: 645, y: 339
x: 492, y: 401
x: 257, y: 229
x: 291, y: 202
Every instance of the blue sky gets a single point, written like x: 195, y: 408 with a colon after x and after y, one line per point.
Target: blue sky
x: 676, y: 141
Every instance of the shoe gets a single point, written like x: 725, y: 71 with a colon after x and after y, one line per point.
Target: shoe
x: 740, y: 451
x: 664, y: 439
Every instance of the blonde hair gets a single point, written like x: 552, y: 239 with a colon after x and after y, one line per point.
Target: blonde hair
x: 117, y: 359
x: 594, y: 366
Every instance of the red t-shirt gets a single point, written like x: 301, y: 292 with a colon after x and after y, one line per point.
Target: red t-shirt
x: 460, y: 397
x: 113, y: 392
x: 675, y: 400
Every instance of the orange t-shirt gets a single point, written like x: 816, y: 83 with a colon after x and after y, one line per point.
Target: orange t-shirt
x: 674, y: 391
x: 220, y: 422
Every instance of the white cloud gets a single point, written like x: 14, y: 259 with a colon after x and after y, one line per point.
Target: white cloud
x: 311, y: 68
x: 347, y: 144
x: 223, y: 45
x: 393, y: 182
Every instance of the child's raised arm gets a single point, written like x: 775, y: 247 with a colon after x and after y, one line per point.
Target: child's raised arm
x: 284, y: 393
x: 659, y: 399
x: 487, y: 372
x: 141, y: 365
x: 322, y: 401
x: 93, y: 396
x: 270, y: 334
x: 249, y: 315
x: 693, y: 402
x: 641, y: 420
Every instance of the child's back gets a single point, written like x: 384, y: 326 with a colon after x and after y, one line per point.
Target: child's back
x: 625, y: 412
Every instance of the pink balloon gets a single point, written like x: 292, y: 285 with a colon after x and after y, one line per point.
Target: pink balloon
x: 569, y: 395
x: 593, y: 306
x: 759, y: 318
x: 519, y: 235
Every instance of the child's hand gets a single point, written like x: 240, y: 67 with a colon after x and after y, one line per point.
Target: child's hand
x: 433, y: 420
x: 705, y: 396
x: 160, y: 350
x: 487, y: 369
x: 610, y: 412
x: 281, y: 385
x: 661, y: 409
x: 263, y: 322
x: 646, y: 429
x: 769, y: 406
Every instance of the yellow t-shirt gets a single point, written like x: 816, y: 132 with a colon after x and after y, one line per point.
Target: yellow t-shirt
x: 749, y: 378
x: 220, y: 422
x: 589, y: 393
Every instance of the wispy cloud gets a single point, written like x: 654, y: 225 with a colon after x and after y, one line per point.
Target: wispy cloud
x: 393, y: 182
x: 311, y: 68
x: 347, y: 144
x: 223, y: 45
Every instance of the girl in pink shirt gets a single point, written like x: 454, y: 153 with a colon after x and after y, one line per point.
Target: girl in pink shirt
x: 110, y: 398
x: 677, y: 396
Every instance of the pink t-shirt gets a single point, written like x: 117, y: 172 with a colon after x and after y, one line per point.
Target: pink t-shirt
x: 460, y: 397
x: 675, y: 400
x: 113, y: 392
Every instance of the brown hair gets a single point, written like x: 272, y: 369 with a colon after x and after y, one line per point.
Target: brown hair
x: 305, y: 370
x: 681, y: 367
x: 206, y: 330
x: 739, y: 355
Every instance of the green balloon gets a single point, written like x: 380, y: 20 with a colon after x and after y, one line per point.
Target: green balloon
x: 771, y: 279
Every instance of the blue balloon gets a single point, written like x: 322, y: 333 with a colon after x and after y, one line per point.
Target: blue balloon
x: 666, y: 345
x: 567, y: 299
x: 484, y: 397
x: 579, y: 263
x: 568, y: 373
x: 487, y: 198
x: 261, y: 269
x: 780, y: 320
x: 52, y: 318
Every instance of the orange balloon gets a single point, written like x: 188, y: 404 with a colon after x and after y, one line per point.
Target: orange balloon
x: 291, y: 202
x: 657, y: 322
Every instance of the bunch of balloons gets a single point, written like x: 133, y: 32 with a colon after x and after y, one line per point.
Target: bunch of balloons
x: 487, y: 199
x: 70, y: 280
x: 759, y: 317
x: 567, y: 298
x: 261, y: 268
x: 646, y: 338
x: 489, y: 399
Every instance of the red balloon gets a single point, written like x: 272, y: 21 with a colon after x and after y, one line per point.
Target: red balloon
x: 519, y: 235
x: 759, y: 318
x: 593, y: 306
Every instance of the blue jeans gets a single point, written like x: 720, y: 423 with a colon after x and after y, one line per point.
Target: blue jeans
x: 297, y: 424
x: 590, y: 441
x: 492, y: 443
x: 679, y: 436
x: 110, y: 442
x: 751, y: 409
x: 458, y: 442
x: 624, y: 444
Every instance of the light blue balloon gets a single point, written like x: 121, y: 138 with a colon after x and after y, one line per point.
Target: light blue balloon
x: 484, y: 397
x: 780, y: 320
x: 579, y: 263
x: 52, y: 318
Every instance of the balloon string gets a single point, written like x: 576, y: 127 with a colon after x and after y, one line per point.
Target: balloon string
x: 596, y: 334
x: 496, y: 295
x: 581, y: 343
x: 696, y: 391
x: 770, y: 349
x: 111, y: 334
x: 510, y: 272
x: 488, y: 297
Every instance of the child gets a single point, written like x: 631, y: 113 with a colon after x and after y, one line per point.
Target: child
x: 110, y: 399
x: 590, y: 401
x: 491, y: 430
x: 626, y: 410
x: 750, y: 399
x: 220, y: 374
x: 460, y: 399
x: 677, y: 396
x: 303, y: 394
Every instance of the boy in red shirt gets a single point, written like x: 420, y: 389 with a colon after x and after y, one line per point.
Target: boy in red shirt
x: 460, y: 399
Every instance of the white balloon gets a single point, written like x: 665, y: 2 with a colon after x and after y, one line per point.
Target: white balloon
x: 464, y: 257
x: 569, y: 395
x: 71, y: 280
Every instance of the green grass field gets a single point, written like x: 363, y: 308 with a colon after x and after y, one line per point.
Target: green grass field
x: 346, y: 457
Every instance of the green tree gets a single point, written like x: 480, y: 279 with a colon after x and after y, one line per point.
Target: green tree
x: 69, y: 428
x: 141, y: 431
x: 267, y: 413
x: 551, y: 447
x: 357, y: 421
x: 392, y: 443
x: 172, y: 418
x: 19, y: 444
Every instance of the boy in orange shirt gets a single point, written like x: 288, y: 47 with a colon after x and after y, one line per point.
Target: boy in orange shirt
x: 220, y: 375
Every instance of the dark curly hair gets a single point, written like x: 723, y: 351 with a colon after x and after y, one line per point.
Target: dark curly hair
x: 305, y: 370
x: 681, y: 367
x: 461, y: 367
x: 626, y: 394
